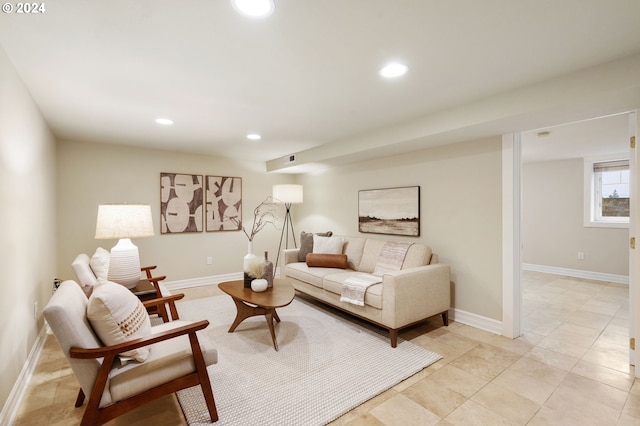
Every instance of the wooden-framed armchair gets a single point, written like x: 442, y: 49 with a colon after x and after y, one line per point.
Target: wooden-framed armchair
x: 89, y: 270
x: 176, y: 360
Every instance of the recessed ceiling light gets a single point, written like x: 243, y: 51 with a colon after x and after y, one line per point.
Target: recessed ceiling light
x: 393, y: 70
x: 254, y: 136
x: 164, y: 121
x: 254, y: 8
x: 543, y: 134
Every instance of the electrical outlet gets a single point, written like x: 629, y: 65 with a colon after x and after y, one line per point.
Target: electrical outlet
x: 35, y: 310
x: 580, y: 255
x: 209, y: 260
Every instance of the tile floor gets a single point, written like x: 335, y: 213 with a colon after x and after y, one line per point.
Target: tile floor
x: 569, y: 368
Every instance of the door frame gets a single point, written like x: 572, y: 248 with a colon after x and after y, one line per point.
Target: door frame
x: 512, y: 243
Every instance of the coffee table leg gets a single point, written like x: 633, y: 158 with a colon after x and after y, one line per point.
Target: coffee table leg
x: 245, y: 311
x: 269, y: 316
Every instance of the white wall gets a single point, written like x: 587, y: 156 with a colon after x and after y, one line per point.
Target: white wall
x: 27, y: 223
x: 552, y: 226
x: 90, y: 174
x: 460, y: 187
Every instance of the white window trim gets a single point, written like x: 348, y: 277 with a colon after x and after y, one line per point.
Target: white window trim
x: 589, y: 191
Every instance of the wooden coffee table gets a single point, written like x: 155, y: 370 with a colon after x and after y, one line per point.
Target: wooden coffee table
x: 250, y: 303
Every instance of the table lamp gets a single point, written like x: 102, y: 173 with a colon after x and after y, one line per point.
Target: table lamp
x: 124, y: 221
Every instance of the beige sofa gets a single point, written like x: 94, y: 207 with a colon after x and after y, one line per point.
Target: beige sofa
x: 419, y: 290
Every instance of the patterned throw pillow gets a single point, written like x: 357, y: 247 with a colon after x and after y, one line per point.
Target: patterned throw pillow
x: 306, y: 243
x: 118, y: 316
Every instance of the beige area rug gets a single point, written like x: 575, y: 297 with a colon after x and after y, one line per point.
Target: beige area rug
x: 326, y: 365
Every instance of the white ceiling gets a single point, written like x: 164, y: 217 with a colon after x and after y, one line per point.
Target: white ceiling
x: 306, y: 76
x: 589, y: 138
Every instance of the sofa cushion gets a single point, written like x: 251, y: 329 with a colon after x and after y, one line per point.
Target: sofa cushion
x: 325, y: 260
x: 331, y: 245
x: 333, y: 283
x: 118, y: 316
x: 306, y: 243
x: 370, y: 255
x: 417, y: 255
x: 310, y: 275
x: 353, y: 247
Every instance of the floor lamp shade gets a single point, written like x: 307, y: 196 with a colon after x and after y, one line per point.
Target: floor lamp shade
x: 124, y: 221
x: 288, y: 194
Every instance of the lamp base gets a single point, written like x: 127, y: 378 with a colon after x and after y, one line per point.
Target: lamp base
x: 124, y: 264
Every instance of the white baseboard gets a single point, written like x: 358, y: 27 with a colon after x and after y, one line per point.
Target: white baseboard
x: 200, y: 281
x: 477, y: 321
x: 11, y: 406
x: 213, y: 279
x: 576, y: 273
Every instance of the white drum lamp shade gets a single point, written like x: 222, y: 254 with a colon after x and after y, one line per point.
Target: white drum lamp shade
x: 288, y: 194
x: 124, y: 221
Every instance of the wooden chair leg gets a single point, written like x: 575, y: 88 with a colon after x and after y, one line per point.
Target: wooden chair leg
x: 445, y: 318
x: 80, y: 398
x: 205, y: 382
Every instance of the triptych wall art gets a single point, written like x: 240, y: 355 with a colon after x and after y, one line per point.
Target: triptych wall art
x: 189, y: 201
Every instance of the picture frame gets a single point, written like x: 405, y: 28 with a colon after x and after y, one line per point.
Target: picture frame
x: 390, y: 211
x: 181, y: 203
x: 223, y: 203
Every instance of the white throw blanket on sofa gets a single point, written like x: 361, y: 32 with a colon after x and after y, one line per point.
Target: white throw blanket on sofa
x: 391, y: 259
x: 354, y: 288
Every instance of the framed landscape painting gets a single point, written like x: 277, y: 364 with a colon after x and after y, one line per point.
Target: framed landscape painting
x: 392, y: 211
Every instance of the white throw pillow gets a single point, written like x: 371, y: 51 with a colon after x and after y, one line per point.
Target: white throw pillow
x: 329, y: 245
x: 118, y: 316
x: 100, y: 263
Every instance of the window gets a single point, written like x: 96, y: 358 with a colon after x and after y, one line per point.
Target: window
x: 607, y: 200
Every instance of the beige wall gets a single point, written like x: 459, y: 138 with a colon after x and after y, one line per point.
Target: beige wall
x: 552, y: 226
x: 27, y: 223
x: 460, y: 187
x: 91, y: 174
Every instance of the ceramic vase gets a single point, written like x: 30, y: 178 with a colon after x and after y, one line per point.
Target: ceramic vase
x: 268, y: 270
x: 248, y: 258
x: 259, y: 284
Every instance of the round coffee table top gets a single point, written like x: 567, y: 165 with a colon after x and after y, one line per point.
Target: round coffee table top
x: 281, y: 294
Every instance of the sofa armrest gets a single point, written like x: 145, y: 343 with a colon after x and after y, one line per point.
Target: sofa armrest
x: 290, y: 256
x: 413, y: 294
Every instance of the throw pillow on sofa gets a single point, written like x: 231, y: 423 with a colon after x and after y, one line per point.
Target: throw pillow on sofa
x: 306, y: 243
x: 330, y: 245
x: 118, y: 316
x: 325, y: 260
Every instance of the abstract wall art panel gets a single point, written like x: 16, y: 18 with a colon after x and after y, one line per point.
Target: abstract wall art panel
x: 181, y: 203
x: 223, y: 203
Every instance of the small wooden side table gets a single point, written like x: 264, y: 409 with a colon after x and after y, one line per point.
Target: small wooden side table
x: 250, y: 303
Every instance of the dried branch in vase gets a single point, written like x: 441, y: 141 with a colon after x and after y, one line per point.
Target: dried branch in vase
x: 263, y: 215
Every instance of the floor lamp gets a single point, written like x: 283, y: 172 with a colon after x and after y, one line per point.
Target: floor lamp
x: 287, y: 195
x: 124, y: 221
